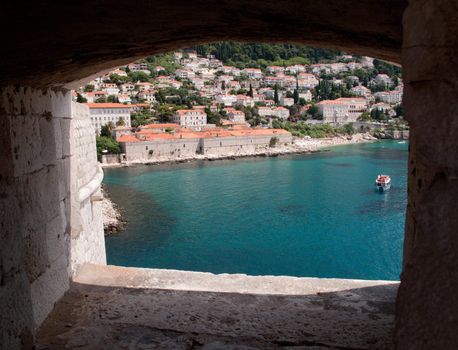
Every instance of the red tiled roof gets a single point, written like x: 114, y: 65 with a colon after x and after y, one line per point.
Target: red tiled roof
x: 127, y: 138
x: 106, y: 105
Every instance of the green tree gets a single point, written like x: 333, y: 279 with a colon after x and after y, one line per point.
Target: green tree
x: 250, y: 92
x: 273, y: 142
x: 112, y: 99
x: 101, y: 100
x: 117, y: 79
x: 296, y: 96
x: 276, y: 98
x: 121, y: 122
x: 399, y: 111
x: 80, y: 99
x: 89, y: 88
x: 366, y: 116
x: 106, y: 129
x: 313, y: 111
x: 138, y: 76
x: 107, y: 145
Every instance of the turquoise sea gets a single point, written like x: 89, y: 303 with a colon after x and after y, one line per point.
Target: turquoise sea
x: 312, y: 215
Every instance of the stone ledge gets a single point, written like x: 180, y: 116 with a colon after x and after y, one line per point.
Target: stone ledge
x: 132, y: 277
x: 91, y: 186
x: 111, y: 307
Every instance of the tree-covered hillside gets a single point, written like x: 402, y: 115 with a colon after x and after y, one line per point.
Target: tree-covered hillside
x: 244, y: 55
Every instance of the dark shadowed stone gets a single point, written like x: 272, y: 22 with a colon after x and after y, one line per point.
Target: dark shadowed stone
x: 56, y: 43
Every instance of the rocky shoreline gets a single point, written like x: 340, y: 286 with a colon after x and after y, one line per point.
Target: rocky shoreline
x: 299, y: 146
x: 113, y: 220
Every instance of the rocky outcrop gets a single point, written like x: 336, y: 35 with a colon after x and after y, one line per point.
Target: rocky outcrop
x: 113, y: 220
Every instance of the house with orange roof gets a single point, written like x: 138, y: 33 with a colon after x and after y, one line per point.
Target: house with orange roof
x: 119, y: 72
x: 235, y: 115
x: 245, y: 101
x: 333, y: 111
x: 342, y: 110
x: 190, y: 118
x: 275, y: 69
x: 147, y: 95
x: 160, y: 127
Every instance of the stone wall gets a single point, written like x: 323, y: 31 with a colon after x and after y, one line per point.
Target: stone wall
x: 160, y: 149
x: 87, y: 238
x: 35, y: 207
x: 241, y: 144
x: 49, y: 224
x: 427, y: 305
x: 166, y: 149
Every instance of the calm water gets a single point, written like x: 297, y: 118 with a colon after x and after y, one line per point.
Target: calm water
x: 304, y: 215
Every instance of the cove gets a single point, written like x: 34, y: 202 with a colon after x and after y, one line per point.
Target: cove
x: 314, y: 215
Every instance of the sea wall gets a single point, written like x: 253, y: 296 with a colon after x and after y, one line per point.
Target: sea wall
x: 241, y: 144
x: 160, y: 149
x: 168, y: 149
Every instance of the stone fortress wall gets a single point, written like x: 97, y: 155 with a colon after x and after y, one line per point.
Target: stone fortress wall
x: 35, y: 164
x: 241, y: 144
x: 40, y: 147
x: 159, y: 149
x: 156, y: 150
x: 87, y: 238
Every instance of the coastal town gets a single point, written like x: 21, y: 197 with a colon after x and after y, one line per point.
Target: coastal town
x: 192, y: 104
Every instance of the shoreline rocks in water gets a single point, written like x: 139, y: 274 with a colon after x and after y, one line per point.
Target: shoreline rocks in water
x: 113, y: 220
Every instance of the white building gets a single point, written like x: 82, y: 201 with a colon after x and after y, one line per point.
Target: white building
x: 392, y: 97
x: 342, y: 110
x: 235, y: 115
x: 184, y: 74
x: 275, y: 69
x: 127, y: 87
x: 386, y: 108
x: 281, y: 112
x: 190, y: 118
x: 297, y: 68
x: 333, y: 111
x: 307, y: 95
x: 124, y: 98
x: 382, y: 80
x: 110, y: 88
x: 264, y: 111
x: 119, y: 72
x: 141, y: 86
x: 103, y: 113
x: 147, y: 95
x: 245, y: 101
x: 356, y: 106
x: 139, y: 67
x: 360, y: 90
x: 254, y: 73
x: 286, y: 101
x: 198, y: 83
x: 226, y: 100
x: 307, y: 81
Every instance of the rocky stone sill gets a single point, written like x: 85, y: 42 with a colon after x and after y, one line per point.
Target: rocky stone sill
x: 118, y: 307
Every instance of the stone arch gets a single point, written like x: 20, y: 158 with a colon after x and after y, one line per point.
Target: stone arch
x: 54, y: 45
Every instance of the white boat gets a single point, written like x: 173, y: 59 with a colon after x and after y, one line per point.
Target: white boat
x: 383, y: 183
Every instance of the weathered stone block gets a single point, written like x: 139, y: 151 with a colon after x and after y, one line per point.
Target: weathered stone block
x: 26, y: 144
